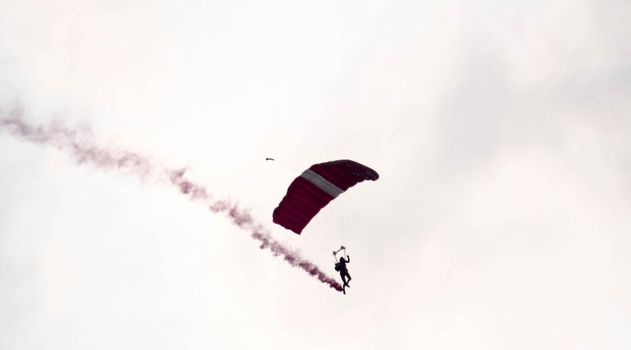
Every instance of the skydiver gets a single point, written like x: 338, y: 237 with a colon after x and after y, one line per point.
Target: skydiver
x: 341, y: 267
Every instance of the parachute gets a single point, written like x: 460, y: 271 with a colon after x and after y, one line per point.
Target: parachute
x: 315, y: 188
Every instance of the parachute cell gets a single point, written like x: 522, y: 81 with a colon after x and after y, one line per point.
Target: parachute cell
x: 315, y: 188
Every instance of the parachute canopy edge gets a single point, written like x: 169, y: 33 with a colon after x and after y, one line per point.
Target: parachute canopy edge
x: 315, y: 188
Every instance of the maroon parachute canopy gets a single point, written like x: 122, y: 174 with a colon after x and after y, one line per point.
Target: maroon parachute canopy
x: 315, y: 188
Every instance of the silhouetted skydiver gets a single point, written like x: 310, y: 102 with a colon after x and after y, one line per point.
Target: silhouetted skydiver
x: 341, y: 267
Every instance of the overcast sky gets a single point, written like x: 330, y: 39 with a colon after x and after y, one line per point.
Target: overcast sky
x: 501, y: 131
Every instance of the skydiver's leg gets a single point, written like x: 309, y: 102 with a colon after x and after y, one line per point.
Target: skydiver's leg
x: 344, y: 276
x: 349, y: 278
x: 343, y: 283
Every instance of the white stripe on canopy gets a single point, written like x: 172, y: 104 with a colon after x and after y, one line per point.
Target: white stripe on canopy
x: 322, y: 183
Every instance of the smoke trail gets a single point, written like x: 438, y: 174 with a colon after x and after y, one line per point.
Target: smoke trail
x: 84, y: 151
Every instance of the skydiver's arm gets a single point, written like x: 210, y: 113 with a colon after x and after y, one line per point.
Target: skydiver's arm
x: 348, y: 259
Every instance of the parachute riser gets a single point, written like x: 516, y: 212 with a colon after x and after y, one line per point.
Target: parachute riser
x: 337, y: 251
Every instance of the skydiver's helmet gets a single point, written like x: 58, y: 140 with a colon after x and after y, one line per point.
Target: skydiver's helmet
x: 342, y: 259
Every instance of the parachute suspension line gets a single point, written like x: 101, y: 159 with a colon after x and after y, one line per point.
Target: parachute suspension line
x: 268, y: 159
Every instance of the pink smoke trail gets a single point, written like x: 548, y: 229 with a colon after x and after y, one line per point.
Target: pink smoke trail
x: 84, y: 151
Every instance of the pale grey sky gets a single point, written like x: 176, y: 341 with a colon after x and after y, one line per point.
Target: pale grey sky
x: 500, y: 130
